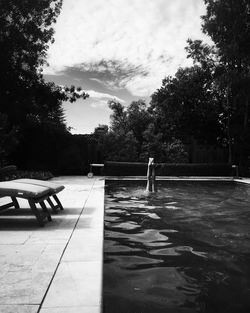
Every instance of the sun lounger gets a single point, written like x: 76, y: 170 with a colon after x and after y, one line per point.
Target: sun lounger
x: 54, y: 189
x: 31, y: 192
x: 51, y: 189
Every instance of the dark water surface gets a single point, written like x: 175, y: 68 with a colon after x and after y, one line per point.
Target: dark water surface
x: 183, y: 249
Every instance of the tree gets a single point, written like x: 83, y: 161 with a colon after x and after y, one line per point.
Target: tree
x: 25, y: 32
x: 185, y: 107
x: 7, y: 139
x: 27, y: 101
x: 130, y: 122
x: 227, y: 22
x: 134, y: 136
x: 118, y: 118
x: 120, y: 147
x: 138, y: 120
x: 154, y: 146
x: 118, y: 142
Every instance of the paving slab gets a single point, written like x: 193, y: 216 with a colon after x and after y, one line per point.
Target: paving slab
x: 26, y: 272
x: 75, y: 284
x: 77, y: 309
x: 14, y: 237
x: 35, y: 262
x: 85, y: 245
x: 19, y: 308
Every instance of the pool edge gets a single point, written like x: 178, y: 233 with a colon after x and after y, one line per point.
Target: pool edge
x: 187, y: 178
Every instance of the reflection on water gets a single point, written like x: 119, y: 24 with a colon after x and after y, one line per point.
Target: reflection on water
x: 183, y: 249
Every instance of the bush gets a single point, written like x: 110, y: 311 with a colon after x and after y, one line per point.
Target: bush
x: 10, y: 172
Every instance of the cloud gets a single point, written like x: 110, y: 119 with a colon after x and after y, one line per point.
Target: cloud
x: 130, y: 44
x: 103, y: 96
x: 99, y: 104
x: 113, y: 74
x: 96, y: 80
x: 100, y: 99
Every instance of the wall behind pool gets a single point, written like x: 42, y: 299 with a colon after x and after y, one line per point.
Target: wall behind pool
x: 168, y: 169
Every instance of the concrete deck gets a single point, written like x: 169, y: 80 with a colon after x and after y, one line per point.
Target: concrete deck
x: 57, y: 268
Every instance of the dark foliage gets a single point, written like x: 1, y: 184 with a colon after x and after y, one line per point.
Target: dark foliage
x: 11, y: 172
x: 228, y: 24
x: 31, y: 111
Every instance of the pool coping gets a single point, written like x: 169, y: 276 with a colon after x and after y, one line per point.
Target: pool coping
x: 243, y: 180
x: 187, y: 178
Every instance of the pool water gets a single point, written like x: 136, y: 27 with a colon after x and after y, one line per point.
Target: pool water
x: 183, y: 249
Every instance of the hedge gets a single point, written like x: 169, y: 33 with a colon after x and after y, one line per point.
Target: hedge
x: 10, y: 172
x: 168, y: 169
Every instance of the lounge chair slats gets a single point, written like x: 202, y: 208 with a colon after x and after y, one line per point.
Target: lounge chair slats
x: 54, y: 189
x: 13, y: 189
x: 33, y: 190
x: 33, y: 193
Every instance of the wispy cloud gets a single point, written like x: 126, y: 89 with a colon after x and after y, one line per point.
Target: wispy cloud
x: 103, y: 96
x: 96, y: 80
x: 130, y: 44
x: 114, y: 74
x: 100, y: 100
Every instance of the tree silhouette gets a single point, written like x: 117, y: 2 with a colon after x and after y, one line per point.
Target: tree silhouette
x: 228, y: 24
x: 27, y: 101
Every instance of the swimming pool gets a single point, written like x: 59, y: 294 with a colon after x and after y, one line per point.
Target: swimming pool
x: 183, y: 249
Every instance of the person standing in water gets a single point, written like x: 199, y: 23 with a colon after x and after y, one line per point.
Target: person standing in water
x: 151, y: 178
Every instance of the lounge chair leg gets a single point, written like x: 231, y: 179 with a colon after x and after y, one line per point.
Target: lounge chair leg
x: 53, y: 207
x: 45, y: 210
x: 36, y: 212
x: 16, y: 204
x: 58, y: 202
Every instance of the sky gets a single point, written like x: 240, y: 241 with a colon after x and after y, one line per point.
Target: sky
x: 118, y: 49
